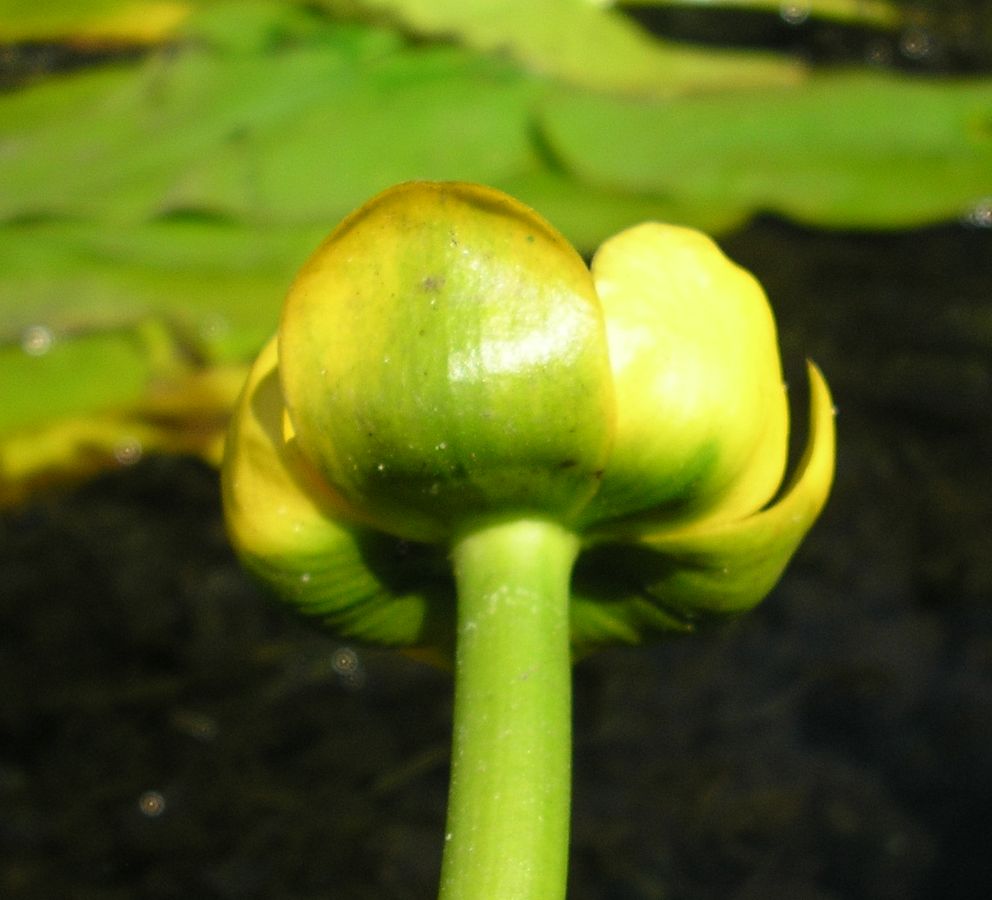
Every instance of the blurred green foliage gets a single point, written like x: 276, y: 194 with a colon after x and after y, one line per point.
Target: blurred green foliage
x: 154, y: 205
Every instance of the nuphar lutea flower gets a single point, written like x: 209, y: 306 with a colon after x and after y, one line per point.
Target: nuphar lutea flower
x: 446, y: 360
x: 464, y: 439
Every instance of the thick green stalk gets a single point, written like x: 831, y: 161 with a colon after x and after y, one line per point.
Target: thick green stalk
x: 509, y: 802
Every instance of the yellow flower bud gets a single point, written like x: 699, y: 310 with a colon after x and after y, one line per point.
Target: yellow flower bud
x: 446, y: 359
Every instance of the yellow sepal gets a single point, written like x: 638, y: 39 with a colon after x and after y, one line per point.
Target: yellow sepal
x: 671, y: 579
x: 310, y: 547
x: 702, y: 418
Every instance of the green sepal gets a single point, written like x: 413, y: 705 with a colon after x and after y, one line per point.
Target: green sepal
x: 443, y: 358
x: 622, y: 592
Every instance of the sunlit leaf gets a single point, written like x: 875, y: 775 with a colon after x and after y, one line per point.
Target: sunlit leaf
x: 586, y: 43
x: 116, y: 341
x: 217, y: 287
x: 861, y: 149
x: 587, y: 214
x: 154, y: 209
x: 297, y: 136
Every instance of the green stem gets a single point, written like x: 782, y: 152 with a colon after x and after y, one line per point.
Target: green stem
x: 509, y: 802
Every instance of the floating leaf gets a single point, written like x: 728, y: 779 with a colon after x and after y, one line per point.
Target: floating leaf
x: 129, y: 338
x: 855, y: 149
x: 217, y: 285
x: 153, y: 210
x: 143, y: 21
x: 294, y: 136
x: 586, y: 43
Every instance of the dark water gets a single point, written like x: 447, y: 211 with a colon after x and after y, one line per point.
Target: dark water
x: 166, y: 734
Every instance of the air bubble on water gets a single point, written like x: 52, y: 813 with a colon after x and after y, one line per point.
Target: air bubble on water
x: 151, y: 804
x: 980, y: 214
x: 348, y: 667
x: 916, y: 44
x: 37, y: 340
x: 794, y: 13
x: 345, y: 661
x: 128, y: 451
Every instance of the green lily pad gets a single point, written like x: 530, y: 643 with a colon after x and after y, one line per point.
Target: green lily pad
x: 854, y: 149
x: 586, y: 43
x: 294, y: 136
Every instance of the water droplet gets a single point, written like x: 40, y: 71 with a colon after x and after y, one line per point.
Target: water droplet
x: 442, y: 446
x: 305, y: 577
x: 37, y: 340
x: 794, y: 13
x: 381, y: 467
x: 151, y: 804
x: 128, y: 451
